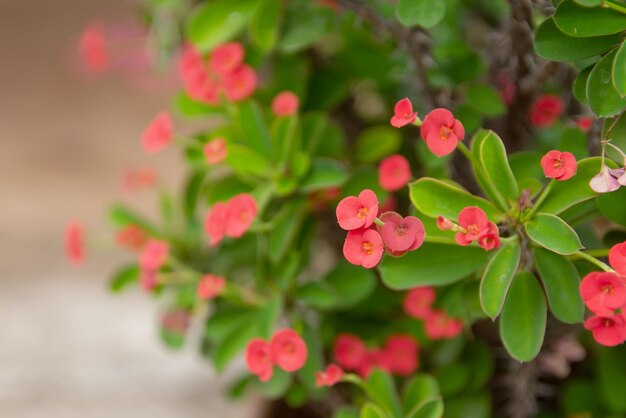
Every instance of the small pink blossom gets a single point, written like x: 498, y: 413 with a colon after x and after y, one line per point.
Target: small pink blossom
x: 154, y: 254
x: 442, y: 132
x: 285, y: 103
x: 349, y: 351
x: 444, y: 224
x: 74, y: 243
x: 559, y: 165
x: 132, y: 237
x: 93, y: 48
x: 240, y: 84
x: 401, y: 352
x: 394, y: 172
x: 438, y: 325
x: 176, y: 321
x: 137, y: 179
x: 490, y: 239
x: 607, y: 330
x: 617, y: 258
x: 584, y: 123
x: 215, y: 223
x: 329, y: 377
x: 401, y: 234
x: 147, y: 279
x: 418, y: 302
x: 240, y: 213
x: 227, y: 57
x: 603, y: 292
x: 474, y: 221
x: 546, y: 110
x: 357, y: 212
x: 210, y: 286
x: 363, y: 247
x: 288, y: 350
x: 608, y: 180
x: 215, y: 151
x: 259, y: 360
x: 403, y: 113
x: 158, y: 134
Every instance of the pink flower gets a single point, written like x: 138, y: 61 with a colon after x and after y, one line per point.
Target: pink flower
x: 357, y: 212
x: 288, y: 350
x: 375, y: 359
x: 546, y: 110
x: 131, y: 236
x: 258, y: 359
x: 191, y: 62
x: 134, y: 180
x: 442, y: 131
x: 215, y: 223
x: 444, y: 224
x: 74, y: 243
x: 201, y: 86
x: 403, y: 113
x: 607, y: 180
x: 177, y: 321
x: 158, y: 134
x: 401, y: 352
x: 474, y: 221
x: 153, y: 255
x: 349, y: 351
x: 215, y: 151
x: 584, y: 123
x: 240, y: 84
x: 240, y: 213
x: 607, y: 330
x: 418, y: 302
x: 490, y: 239
x: 227, y: 58
x: 285, y: 103
x: 559, y: 165
x: 401, y: 234
x: 603, y: 292
x: 147, y: 279
x: 617, y: 258
x: 329, y: 377
x: 394, y: 172
x: 439, y: 326
x: 210, y: 286
x: 93, y: 48
x: 363, y: 247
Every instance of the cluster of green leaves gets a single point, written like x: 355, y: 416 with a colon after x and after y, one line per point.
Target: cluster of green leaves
x: 590, y: 34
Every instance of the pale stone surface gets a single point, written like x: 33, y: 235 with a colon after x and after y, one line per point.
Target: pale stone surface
x: 67, y: 347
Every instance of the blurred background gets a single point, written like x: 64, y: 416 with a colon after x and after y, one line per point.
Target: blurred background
x: 69, y: 348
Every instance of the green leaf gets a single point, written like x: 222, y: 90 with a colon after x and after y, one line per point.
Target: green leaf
x: 346, y: 412
x: 486, y: 99
x: 611, y: 369
x: 565, y: 194
x: 277, y: 386
x: 124, y: 277
x: 523, y: 319
x: 318, y: 294
x: 579, y: 88
x: 589, y: 3
x: 225, y: 322
x: 452, y: 378
x: 382, y: 390
x: 434, y: 197
x: 370, y: 410
x: 377, y: 142
x: 246, y: 161
x: 579, y: 21
x: 490, y: 150
x: 431, y: 264
x: 497, y: 278
x: 351, y: 284
x: 231, y: 346
x: 122, y: 216
x: 315, y: 358
x: 191, y: 108
x: 324, y: 173
x: 305, y: 28
x: 430, y: 409
x: 420, y: 389
x: 560, y: 281
x: 193, y: 188
x: 619, y: 70
x: 215, y: 22
x: 285, y: 134
x: 251, y: 127
x: 425, y: 13
x: 604, y: 98
x: 552, y: 44
x: 265, y: 25
x: 476, y: 405
x: 553, y: 233
x: 613, y: 205
x: 281, y: 238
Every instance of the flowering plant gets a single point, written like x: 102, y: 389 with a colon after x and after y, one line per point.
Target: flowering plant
x: 343, y: 227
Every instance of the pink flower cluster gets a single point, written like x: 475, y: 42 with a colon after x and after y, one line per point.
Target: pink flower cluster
x: 604, y: 294
x: 364, y: 246
x: 332, y: 375
x: 546, y: 110
x: 224, y: 74
x: 286, y: 349
x: 210, y: 286
x: 418, y: 304
x: 473, y: 225
x: 215, y: 151
x: 440, y: 130
x: 151, y: 258
x: 399, y: 355
x: 230, y: 219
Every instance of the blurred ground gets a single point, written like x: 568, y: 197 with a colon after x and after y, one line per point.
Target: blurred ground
x: 67, y: 348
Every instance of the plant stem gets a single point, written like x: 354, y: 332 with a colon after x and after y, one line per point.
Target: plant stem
x: 591, y: 259
x: 439, y: 240
x: 544, y: 194
x: 617, y: 7
x: 378, y: 222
